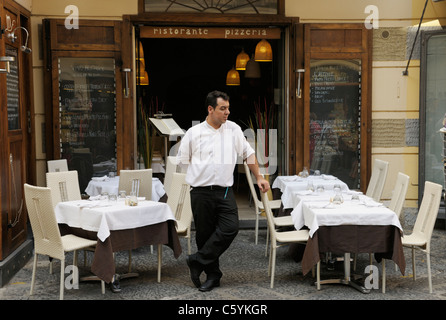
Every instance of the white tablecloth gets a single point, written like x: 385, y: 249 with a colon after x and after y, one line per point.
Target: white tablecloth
x: 290, y: 185
x: 104, y: 216
x: 111, y: 185
x: 316, y: 210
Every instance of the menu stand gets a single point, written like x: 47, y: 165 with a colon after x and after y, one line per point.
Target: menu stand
x: 166, y: 127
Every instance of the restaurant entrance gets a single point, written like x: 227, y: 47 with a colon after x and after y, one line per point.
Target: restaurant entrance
x: 182, y: 68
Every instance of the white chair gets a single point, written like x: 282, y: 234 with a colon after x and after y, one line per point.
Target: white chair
x: 47, y: 238
x: 259, y: 208
x: 179, y: 203
x: 377, y: 180
x: 139, y: 181
x: 57, y: 165
x: 171, y: 167
x: 64, y: 186
x: 420, y: 238
x: 281, y: 238
x: 396, y: 205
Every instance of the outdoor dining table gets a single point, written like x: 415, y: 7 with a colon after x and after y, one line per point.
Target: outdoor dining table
x: 289, y: 185
x: 118, y: 227
x: 97, y: 185
x: 359, y: 226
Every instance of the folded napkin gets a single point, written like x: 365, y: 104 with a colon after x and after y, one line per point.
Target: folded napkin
x: 99, y: 178
x: 328, y: 177
x: 371, y: 203
x: 329, y: 205
x: 304, y: 193
x: 95, y: 198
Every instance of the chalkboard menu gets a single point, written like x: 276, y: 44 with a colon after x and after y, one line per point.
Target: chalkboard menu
x: 12, y: 91
x: 335, y: 111
x: 87, y: 115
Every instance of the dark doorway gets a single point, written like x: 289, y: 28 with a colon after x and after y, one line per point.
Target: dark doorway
x: 183, y: 71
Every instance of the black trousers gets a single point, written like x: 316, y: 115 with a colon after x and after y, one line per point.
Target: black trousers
x: 216, y: 224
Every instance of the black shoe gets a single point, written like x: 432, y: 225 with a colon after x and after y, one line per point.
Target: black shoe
x: 115, y: 286
x: 209, y: 285
x: 195, y: 271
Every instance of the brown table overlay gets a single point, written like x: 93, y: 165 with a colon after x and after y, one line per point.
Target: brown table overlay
x: 103, y: 264
x: 383, y: 241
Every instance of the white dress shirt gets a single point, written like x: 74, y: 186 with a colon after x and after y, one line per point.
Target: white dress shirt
x: 211, y: 154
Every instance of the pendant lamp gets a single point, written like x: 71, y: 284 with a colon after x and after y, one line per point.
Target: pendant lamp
x: 233, y: 78
x: 263, y: 52
x: 252, y: 69
x: 144, y: 80
x: 140, y: 55
x: 242, y: 59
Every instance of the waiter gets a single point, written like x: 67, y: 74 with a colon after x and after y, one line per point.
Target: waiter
x: 210, y: 150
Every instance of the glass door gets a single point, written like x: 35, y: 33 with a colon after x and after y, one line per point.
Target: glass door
x: 432, y: 109
x: 335, y: 112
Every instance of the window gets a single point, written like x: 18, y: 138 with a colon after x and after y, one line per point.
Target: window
x: 212, y: 6
x: 432, y: 108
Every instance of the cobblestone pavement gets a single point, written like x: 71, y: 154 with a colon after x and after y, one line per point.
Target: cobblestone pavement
x: 245, y: 278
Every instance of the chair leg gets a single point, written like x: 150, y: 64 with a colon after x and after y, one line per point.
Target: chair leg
x: 429, y: 275
x: 318, y: 275
x: 103, y: 286
x: 273, y: 266
x: 413, y: 264
x: 267, y: 240
x: 257, y: 228
x: 384, y: 276
x: 62, y: 276
x: 160, y: 257
x: 33, y: 277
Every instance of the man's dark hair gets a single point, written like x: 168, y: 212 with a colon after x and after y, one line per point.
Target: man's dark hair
x: 211, y: 99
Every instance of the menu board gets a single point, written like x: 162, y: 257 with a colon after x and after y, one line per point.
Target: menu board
x: 87, y: 114
x: 335, y: 111
x: 12, y: 91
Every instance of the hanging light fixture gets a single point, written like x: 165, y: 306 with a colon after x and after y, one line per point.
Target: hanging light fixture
x: 144, y: 80
x: 252, y: 69
x: 233, y: 78
x: 242, y: 59
x: 140, y: 52
x: 263, y: 52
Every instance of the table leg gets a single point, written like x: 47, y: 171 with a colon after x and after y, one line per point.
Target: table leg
x: 346, y: 279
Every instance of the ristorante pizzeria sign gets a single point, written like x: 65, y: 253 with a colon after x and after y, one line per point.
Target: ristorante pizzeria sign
x: 209, y: 33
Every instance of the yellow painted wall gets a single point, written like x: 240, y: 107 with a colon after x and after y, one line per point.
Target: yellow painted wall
x: 394, y: 96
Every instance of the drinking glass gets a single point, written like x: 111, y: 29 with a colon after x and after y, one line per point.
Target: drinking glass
x: 337, y: 199
x: 112, y: 197
x: 310, y: 186
x: 320, y: 188
x: 355, y: 198
x: 104, y: 195
x: 336, y: 187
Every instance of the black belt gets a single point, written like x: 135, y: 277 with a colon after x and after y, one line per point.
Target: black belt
x: 211, y: 188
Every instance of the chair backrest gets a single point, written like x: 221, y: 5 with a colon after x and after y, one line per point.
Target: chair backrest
x: 399, y: 193
x: 47, y: 239
x: 378, y: 179
x: 57, y: 165
x: 251, y: 186
x: 179, y: 199
x: 269, y: 216
x: 139, y: 180
x: 171, y: 167
x: 64, y: 186
x: 427, y: 214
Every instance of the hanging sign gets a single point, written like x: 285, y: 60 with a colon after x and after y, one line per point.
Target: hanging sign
x: 209, y: 33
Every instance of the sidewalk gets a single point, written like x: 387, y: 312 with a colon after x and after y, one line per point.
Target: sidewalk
x: 245, y: 277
